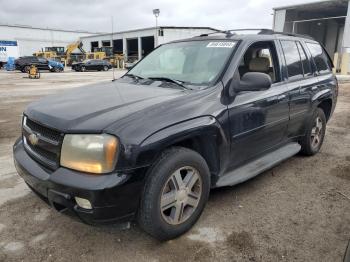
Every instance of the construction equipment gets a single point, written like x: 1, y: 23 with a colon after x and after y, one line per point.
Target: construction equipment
x: 68, y: 56
x: 33, y: 72
x: 106, y: 53
x: 118, y: 61
x: 52, y: 52
x: 95, y: 55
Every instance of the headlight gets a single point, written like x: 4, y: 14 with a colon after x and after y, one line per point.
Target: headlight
x: 89, y: 153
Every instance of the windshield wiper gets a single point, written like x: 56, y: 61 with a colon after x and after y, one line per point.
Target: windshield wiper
x: 134, y: 76
x: 167, y: 79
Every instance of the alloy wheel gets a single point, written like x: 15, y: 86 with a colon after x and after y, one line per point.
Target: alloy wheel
x: 316, y: 133
x: 181, y: 195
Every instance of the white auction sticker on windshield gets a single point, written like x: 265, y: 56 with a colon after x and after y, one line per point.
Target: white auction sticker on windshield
x: 221, y: 44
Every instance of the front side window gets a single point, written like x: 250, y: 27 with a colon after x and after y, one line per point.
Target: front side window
x: 261, y: 57
x: 321, y: 60
x: 291, y: 54
x: 193, y: 62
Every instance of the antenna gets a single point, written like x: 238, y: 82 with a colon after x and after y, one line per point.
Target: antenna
x: 112, y: 45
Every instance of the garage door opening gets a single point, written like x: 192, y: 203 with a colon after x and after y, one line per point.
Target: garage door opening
x: 147, y: 44
x: 94, y: 45
x: 324, y: 21
x: 106, y: 43
x: 132, y: 49
x: 118, y: 46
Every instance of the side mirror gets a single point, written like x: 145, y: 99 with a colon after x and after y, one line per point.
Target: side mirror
x: 254, y: 81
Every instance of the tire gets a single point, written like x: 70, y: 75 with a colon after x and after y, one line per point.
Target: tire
x: 165, y: 224
x: 309, y: 145
x: 26, y: 69
x: 83, y: 69
x: 105, y: 68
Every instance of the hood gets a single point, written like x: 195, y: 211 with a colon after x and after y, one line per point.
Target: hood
x: 93, y: 108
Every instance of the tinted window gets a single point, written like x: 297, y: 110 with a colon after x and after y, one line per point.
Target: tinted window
x: 42, y: 60
x: 291, y: 53
x: 320, y: 57
x: 305, y: 61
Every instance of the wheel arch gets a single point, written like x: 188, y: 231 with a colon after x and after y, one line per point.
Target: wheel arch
x: 324, y: 100
x: 326, y: 105
x: 204, y: 135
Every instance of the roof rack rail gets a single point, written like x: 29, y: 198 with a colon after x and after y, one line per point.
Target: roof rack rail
x: 261, y: 31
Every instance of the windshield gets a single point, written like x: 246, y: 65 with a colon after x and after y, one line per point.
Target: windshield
x: 194, y: 62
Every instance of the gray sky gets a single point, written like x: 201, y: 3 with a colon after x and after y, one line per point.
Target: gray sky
x: 130, y: 14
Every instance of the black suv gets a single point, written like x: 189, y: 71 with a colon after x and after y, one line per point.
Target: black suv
x: 195, y: 114
x: 92, y: 64
x: 23, y: 64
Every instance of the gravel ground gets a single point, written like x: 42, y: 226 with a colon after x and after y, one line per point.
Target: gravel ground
x: 298, y: 211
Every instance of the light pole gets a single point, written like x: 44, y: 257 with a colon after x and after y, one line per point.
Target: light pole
x: 156, y: 13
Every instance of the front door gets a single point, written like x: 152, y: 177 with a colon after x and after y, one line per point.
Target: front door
x: 259, y: 119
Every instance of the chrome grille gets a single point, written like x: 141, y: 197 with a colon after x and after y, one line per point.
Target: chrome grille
x: 42, y: 143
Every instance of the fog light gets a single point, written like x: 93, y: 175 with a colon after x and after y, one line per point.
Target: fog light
x: 83, y: 203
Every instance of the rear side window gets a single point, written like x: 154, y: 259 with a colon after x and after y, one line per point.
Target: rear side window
x: 321, y: 60
x: 291, y: 54
x: 304, y: 60
x: 42, y: 60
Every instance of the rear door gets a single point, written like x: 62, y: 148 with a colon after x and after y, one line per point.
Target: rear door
x: 43, y: 64
x: 326, y: 80
x: 95, y: 65
x: 301, y: 82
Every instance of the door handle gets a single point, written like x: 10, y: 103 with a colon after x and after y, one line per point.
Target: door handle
x: 314, y: 88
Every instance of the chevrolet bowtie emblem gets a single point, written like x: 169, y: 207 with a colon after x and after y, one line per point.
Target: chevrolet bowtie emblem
x: 33, y: 139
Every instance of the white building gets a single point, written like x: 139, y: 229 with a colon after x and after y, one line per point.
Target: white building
x: 138, y: 43
x: 326, y: 21
x: 33, y: 39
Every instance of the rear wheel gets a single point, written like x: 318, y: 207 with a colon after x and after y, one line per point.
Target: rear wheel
x: 176, y: 191
x: 26, y: 69
x: 105, y: 68
x: 83, y: 69
x: 312, y: 142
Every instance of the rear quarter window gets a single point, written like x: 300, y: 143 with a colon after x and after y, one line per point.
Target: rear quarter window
x: 322, y: 62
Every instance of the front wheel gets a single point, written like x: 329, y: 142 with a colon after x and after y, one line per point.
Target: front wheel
x: 83, y: 69
x: 105, y: 68
x: 176, y: 191
x: 312, y: 142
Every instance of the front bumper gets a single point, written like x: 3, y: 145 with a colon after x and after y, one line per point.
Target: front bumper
x: 114, y: 197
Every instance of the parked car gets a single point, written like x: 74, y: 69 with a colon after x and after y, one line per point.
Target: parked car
x: 23, y: 64
x: 195, y: 114
x: 92, y: 64
x: 55, y: 66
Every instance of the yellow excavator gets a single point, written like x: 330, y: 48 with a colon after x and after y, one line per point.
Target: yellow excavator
x: 67, y: 57
x: 98, y: 53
